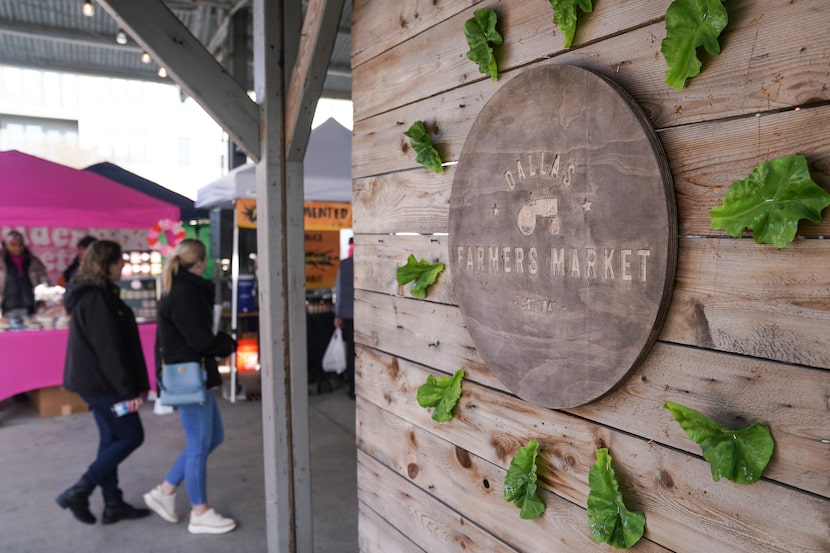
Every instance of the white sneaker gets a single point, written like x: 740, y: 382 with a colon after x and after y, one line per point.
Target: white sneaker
x: 210, y: 522
x: 162, y: 504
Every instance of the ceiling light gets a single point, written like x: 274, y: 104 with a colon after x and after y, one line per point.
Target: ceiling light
x: 88, y: 9
x: 162, y: 72
x: 145, y: 57
x: 121, y: 37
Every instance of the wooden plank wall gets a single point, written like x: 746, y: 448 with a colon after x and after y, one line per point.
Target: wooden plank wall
x: 746, y: 335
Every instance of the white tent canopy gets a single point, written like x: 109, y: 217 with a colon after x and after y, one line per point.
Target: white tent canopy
x: 327, y: 172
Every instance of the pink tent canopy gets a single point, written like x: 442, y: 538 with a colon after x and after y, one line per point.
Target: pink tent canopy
x: 34, y: 191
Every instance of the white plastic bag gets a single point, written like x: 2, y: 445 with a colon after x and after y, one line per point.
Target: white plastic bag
x: 334, y: 359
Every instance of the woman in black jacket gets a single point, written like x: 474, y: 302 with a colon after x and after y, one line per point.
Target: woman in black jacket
x: 105, y: 365
x: 185, y: 317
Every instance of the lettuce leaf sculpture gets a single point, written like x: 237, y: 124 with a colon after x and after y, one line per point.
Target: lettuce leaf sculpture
x: 427, y: 154
x: 565, y: 16
x: 771, y: 201
x: 737, y: 455
x: 690, y: 24
x: 480, y: 31
x: 422, y: 272
x: 520, y: 482
x: 608, y: 518
x: 442, y: 394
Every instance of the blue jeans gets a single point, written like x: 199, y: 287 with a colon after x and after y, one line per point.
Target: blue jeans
x: 203, y: 429
x: 118, y: 437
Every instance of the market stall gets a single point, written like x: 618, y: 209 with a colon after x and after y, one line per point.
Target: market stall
x: 327, y: 191
x: 55, y: 204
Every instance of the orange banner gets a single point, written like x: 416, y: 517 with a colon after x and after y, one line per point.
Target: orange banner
x: 246, y: 213
x: 322, y: 258
x: 327, y: 215
x: 316, y: 215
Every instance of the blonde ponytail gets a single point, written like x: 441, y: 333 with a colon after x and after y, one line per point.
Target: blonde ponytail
x: 188, y: 252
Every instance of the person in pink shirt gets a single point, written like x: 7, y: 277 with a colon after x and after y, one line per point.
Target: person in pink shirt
x: 20, y: 272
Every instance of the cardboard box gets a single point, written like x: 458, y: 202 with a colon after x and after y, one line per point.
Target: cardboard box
x: 54, y: 401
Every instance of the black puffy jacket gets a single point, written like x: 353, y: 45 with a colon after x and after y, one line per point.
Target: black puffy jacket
x: 104, y: 355
x: 185, y: 321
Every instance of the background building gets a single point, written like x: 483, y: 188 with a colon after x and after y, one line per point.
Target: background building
x: 148, y: 128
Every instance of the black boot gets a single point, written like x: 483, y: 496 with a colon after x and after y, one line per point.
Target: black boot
x: 76, y: 499
x: 116, y: 509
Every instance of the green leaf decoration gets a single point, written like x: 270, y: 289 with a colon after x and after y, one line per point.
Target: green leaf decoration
x: 565, y: 16
x: 737, y: 455
x: 520, y: 482
x: 608, y: 518
x: 427, y: 155
x: 480, y: 31
x: 421, y: 273
x: 442, y: 394
x: 771, y: 201
x: 689, y: 25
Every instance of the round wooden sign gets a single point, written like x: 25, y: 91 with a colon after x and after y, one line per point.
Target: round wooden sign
x: 563, y: 235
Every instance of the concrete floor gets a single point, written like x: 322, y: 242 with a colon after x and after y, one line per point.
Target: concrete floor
x: 40, y: 457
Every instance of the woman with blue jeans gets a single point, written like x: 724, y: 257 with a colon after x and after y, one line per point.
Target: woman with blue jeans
x: 185, y: 316
x: 105, y: 365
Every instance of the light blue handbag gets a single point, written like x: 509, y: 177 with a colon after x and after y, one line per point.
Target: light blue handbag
x: 182, y: 384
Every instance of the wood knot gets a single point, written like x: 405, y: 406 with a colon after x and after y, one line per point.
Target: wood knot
x: 413, y: 439
x: 394, y: 368
x: 463, y: 457
x: 666, y: 480
x: 504, y: 445
x: 412, y: 470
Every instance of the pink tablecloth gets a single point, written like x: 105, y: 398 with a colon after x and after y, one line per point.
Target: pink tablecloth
x: 34, y: 359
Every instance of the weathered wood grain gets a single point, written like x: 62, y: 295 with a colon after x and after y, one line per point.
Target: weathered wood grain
x: 430, y: 524
x: 675, y: 490
x: 376, y: 535
x: 469, y: 484
x: 736, y: 392
x: 380, y: 24
x: 379, y: 257
x: 745, y: 336
x: 411, y: 201
x: 705, y: 160
x: 733, y: 391
x: 741, y: 297
x: 730, y: 295
x: 395, y: 324
x: 759, y: 68
x: 437, y: 60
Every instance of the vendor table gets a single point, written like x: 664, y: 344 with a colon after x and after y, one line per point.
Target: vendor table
x: 34, y: 359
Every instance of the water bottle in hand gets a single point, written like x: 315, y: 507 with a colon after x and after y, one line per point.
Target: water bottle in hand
x: 122, y: 407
